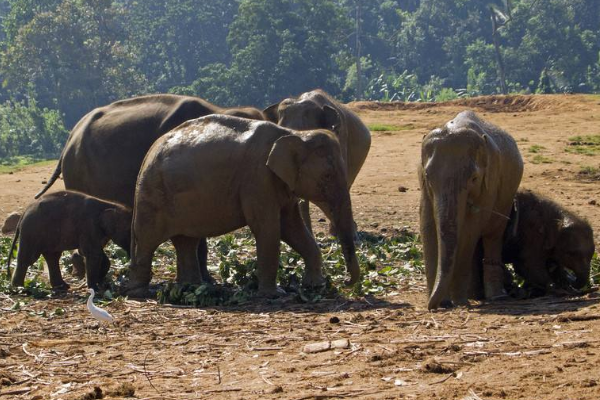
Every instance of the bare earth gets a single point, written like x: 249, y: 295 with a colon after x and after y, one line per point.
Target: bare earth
x: 546, y: 348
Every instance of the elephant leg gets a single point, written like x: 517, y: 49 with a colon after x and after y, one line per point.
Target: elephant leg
x: 305, y: 213
x: 203, y: 261
x: 463, y: 281
x: 25, y: 258
x: 56, y: 280
x: 430, y: 242
x: 267, y: 231
x: 96, y: 263
x: 188, y: 270
x: 534, y: 271
x: 78, y: 264
x: 493, y: 268
x: 140, y: 269
x: 295, y: 233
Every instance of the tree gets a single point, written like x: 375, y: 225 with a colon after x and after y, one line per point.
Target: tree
x: 177, y: 38
x: 281, y: 48
x: 75, y: 57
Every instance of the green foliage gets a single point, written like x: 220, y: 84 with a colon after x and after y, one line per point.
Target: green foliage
x: 74, y: 55
x: 27, y: 129
x: 13, y: 164
x: 588, y: 172
x: 595, y: 269
x: 383, y: 260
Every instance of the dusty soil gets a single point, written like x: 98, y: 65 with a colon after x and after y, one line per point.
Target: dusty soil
x: 547, y: 348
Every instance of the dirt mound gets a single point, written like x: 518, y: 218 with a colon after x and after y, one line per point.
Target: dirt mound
x: 496, y: 103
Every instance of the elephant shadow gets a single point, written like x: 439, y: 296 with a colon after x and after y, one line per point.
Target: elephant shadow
x: 547, y: 305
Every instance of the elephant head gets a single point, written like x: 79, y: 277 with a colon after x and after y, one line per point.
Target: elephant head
x: 303, y: 115
x: 573, y: 250
x: 459, y: 169
x: 116, y: 225
x: 311, y: 165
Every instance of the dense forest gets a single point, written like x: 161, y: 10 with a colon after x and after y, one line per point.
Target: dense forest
x: 61, y: 58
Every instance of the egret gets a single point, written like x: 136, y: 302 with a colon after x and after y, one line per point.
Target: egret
x: 98, y: 313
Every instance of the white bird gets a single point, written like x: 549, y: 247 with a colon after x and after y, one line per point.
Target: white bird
x: 98, y: 313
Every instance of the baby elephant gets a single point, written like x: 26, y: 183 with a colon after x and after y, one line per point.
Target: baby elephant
x: 69, y: 220
x: 544, y: 239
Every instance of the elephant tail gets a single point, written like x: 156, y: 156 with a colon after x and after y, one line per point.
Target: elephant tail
x: 12, y: 249
x: 52, y: 179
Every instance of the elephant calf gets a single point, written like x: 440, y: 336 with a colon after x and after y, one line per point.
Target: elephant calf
x: 218, y: 173
x: 544, y: 240
x: 69, y: 220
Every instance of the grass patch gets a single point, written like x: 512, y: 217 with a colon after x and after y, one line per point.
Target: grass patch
x: 536, y: 148
x: 588, y: 145
x: 592, y: 173
x: 540, y: 159
x: 14, y: 164
x: 390, y: 128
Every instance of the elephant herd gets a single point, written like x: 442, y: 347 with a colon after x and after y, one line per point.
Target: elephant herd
x: 154, y: 168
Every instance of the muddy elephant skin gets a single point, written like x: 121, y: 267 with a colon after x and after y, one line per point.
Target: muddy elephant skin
x: 315, y: 110
x: 470, y: 171
x: 545, y: 241
x: 219, y: 173
x: 68, y: 220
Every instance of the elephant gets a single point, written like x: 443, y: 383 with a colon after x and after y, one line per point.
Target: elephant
x: 314, y: 110
x: 469, y: 173
x: 218, y: 173
x: 544, y: 240
x: 68, y: 220
x: 105, y: 149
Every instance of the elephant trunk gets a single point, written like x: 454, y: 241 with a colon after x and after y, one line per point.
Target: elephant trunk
x: 582, y: 275
x: 344, y: 222
x: 449, y: 212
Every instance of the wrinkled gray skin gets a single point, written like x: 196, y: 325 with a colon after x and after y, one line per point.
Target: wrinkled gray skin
x: 316, y: 110
x: 216, y: 174
x: 105, y: 150
x: 545, y: 240
x: 68, y: 220
x: 468, y: 169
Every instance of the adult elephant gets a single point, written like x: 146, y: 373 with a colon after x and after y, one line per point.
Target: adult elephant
x: 470, y: 171
x: 105, y: 150
x: 314, y: 110
x: 187, y: 189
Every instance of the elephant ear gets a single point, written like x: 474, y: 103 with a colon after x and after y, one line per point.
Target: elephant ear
x: 285, y: 158
x: 271, y: 113
x: 331, y: 119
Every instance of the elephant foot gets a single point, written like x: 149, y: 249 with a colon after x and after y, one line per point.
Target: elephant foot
x: 135, y: 290
x: 493, y: 280
x: 313, y: 281
x: 61, y: 287
x: 272, y: 293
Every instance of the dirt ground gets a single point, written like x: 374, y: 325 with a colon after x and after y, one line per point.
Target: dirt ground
x: 545, y: 348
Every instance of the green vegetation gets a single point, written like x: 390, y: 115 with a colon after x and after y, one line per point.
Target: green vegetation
x: 61, y: 58
x: 232, y: 257
x: 595, y: 270
x: 390, y: 128
x: 588, y: 172
x: 540, y: 159
x: 536, y: 148
x: 587, y: 145
x: 17, y: 163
